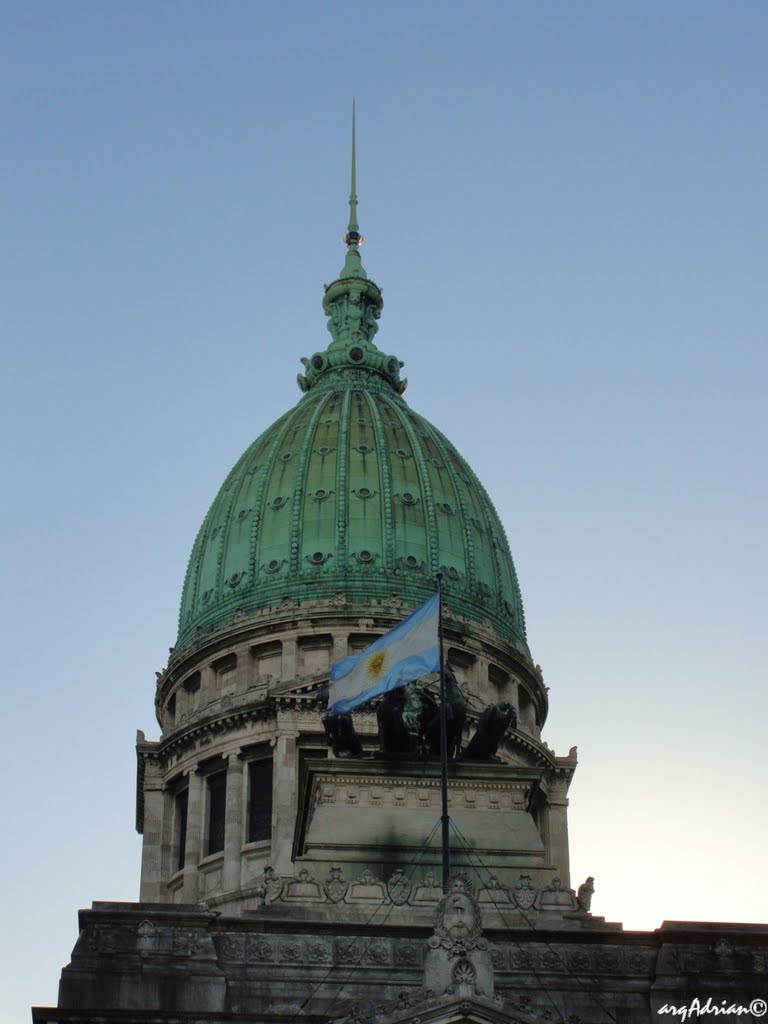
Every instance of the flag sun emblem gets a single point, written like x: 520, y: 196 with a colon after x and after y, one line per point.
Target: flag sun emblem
x: 376, y: 665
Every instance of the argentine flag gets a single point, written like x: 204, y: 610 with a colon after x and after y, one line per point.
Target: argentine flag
x: 405, y: 653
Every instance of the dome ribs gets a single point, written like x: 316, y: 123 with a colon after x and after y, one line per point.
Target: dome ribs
x: 350, y: 491
x: 320, y: 500
x: 385, y: 476
x: 342, y: 508
x: 297, y: 506
x: 460, y: 490
x: 269, y: 468
x: 429, y: 498
x: 258, y: 503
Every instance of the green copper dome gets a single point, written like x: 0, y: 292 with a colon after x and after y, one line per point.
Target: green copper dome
x: 351, y: 493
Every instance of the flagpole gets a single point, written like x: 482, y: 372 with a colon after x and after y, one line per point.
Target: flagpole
x: 443, y: 740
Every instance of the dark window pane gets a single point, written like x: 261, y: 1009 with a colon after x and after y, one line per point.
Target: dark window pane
x: 182, y: 802
x: 260, y: 800
x: 217, y: 805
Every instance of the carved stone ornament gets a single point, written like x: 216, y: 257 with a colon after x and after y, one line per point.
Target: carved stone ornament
x: 579, y: 961
x: 153, y: 767
x: 379, y: 952
x: 722, y: 948
x: 429, y: 891
x: 399, y: 888
x: 407, y: 953
x: 292, y: 951
x: 457, y: 954
x: 464, y: 973
x: 336, y: 885
x: 270, y: 887
x: 555, y: 897
x: 494, y: 892
x: 349, y: 951
x: 457, y: 918
x: 607, y: 960
x: 319, y: 951
x: 367, y: 888
x: 585, y: 893
x: 185, y: 943
x: 258, y: 950
x: 303, y: 888
x: 525, y: 893
x: 233, y: 947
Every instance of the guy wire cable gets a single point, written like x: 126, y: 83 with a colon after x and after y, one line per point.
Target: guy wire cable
x: 412, y: 866
x: 366, y: 946
x: 532, y: 926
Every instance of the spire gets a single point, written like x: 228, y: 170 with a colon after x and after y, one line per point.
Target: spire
x: 353, y: 305
x: 353, y: 225
x: 353, y: 239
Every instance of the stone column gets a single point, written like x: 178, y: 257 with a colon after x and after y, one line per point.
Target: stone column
x: 152, y: 846
x: 285, y: 771
x: 193, y: 848
x: 233, y: 824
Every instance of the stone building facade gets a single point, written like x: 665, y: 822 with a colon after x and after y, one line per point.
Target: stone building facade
x: 280, y: 881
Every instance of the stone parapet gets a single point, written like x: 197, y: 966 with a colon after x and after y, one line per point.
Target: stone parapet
x: 183, y: 964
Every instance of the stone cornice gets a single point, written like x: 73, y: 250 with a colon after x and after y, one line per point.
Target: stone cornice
x: 372, y: 617
x: 180, y: 741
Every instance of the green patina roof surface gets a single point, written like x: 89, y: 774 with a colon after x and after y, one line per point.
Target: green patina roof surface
x: 351, y: 491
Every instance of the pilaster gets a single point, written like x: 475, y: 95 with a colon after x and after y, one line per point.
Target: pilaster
x: 289, y: 659
x: 340, y: 647
x: 193, y: 846
x: 285, y: 787
x: 152, y: 847
x: 558, y: 829
x: 233, y: 826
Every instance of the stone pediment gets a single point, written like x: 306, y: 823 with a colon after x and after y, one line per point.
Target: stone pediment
x: 458, y: 980
x: 450, y: 1008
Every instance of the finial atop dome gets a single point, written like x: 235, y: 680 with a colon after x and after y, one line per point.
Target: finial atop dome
x: 353, y: 304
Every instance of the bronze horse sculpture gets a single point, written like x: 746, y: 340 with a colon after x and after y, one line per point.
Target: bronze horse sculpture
x: 491, y: 726
x: 455, y: 716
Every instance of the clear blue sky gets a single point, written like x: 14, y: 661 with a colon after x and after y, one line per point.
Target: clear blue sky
x: 566, y: 207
